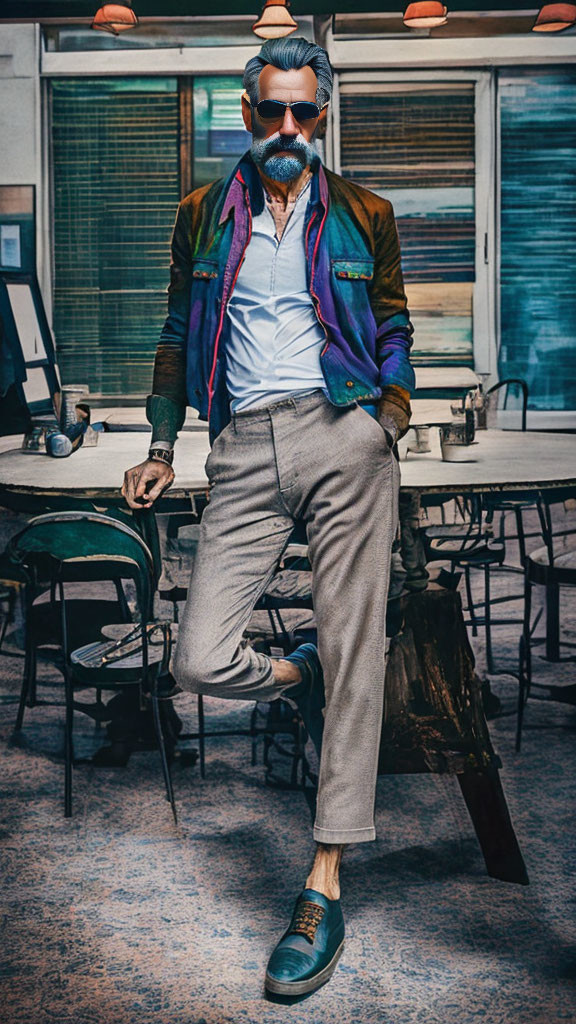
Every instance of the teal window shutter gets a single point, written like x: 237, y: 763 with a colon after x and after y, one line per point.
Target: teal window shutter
x: 538, y: 233
x: 116, y: 191
x: 413, y: 143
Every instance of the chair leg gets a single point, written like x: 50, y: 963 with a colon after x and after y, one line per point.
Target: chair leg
x: 29, y: 666
x: 521, y: 692
x: 9, y: 599
x: 68, y: 744
x: 163, y: 756
x: 32, y: 691
x: 524, y: 664
x: 553, y: 622
x: 470, y: 600
x: 488, y: 619
x: 201, y: 736
x: 21, y: 706
x: 69, y: 697
x: 520, y: 534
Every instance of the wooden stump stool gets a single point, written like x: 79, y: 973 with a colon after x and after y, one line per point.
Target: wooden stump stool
x: 434, y: 720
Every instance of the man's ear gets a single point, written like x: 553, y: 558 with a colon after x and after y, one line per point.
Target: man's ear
x: 246, y: 112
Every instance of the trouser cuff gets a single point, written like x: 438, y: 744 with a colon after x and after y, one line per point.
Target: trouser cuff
x: 344, y: 836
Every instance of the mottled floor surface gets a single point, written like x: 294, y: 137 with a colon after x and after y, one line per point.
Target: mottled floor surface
x: 118, y: 917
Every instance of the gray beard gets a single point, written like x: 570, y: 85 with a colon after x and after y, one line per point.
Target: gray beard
x: 283, y: 167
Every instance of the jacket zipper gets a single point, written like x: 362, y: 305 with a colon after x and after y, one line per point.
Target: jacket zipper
x: 222, y: 312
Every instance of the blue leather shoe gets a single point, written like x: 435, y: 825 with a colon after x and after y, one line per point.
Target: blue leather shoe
x: 309, y: 950
x: 308, y: 695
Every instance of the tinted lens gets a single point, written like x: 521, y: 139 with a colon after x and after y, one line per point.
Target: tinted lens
x: 304, y: 111
x: 273, y: 110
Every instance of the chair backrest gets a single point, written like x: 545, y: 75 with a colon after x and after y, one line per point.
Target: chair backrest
x: 102, y: 542
x: 553, y: 536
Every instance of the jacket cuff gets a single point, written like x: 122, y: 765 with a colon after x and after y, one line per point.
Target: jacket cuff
x: 397, y: 396
x: 166, y: 417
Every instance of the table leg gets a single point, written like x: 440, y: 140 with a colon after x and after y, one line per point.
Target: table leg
x: 486, y: 803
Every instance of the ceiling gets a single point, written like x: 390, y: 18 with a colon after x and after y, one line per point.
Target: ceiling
x: 39, y: 10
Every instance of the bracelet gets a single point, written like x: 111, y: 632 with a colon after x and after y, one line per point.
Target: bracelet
x: 161, y: 455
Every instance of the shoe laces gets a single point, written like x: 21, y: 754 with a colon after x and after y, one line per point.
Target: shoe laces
x: 307, y: 917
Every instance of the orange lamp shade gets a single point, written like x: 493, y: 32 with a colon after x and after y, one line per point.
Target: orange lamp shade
x: 275, y: 20
x: 425, y: 15
x: 115, y: 18
x: 555, y: 17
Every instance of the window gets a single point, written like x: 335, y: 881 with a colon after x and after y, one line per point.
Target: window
x: 124, y: 151
x: 413, y: 143
x: 220, y: 137
x: 538, y: 234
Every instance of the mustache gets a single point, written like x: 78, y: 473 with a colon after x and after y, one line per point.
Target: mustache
x: 277, y: 144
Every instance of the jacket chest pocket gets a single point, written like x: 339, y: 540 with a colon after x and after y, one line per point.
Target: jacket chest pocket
x: 353, y: 270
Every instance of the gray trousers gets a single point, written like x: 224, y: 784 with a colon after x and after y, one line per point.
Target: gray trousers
x: 332, y: 466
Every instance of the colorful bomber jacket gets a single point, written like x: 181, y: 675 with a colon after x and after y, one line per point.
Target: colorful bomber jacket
x: 355, y: 280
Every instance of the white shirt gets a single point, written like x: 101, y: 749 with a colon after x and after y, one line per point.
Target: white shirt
x: 274, y: 338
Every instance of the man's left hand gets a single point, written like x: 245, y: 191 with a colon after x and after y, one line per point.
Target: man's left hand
x: 393, y: 419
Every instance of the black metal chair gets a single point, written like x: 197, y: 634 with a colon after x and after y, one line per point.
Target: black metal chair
x: 466, y: 545
x: 516, y: 505
x: 61, y: 548
x: 476, y: 543
x: 553, y: 565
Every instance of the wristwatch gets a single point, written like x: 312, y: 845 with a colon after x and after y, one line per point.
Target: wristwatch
x: 161, y: 455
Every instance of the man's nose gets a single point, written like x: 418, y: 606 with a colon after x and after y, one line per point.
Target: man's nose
x: 289, y: 126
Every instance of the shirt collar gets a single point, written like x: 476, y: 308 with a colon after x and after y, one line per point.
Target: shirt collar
x: 245, y: 178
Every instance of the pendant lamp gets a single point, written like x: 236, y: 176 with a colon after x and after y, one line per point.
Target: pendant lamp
x: 555, y: 18
x: 425, y: 15
x: 115, y: 18
x: 275, y: 20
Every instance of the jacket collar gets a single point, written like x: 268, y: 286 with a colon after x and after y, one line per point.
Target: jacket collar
x: 244, y: 179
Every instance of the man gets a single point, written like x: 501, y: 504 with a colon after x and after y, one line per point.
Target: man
x: 288, y: 330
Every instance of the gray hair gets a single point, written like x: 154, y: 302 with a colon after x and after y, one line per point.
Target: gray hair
x: 288, y: 54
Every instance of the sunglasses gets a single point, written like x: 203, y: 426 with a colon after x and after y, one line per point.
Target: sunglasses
x: 271, y: 111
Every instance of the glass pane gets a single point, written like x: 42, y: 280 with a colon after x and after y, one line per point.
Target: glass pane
x: 413, y: 143
x: 220, y: 137
x: 116, y: 191
x: 230, y: 31
x: 538, y: 234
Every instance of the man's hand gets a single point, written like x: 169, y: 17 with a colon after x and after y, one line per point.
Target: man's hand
x: 146, y: 482
x: 394, y: 411
x: 393, y: 420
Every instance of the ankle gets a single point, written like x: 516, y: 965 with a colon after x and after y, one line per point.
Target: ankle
x: 324, y: 876
x: 329, y: 889
x: 286, y: 671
